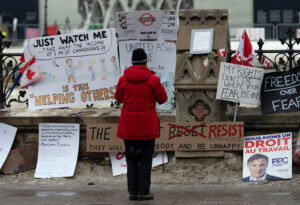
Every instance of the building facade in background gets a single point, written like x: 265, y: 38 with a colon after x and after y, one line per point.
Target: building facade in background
x: 70, y: 15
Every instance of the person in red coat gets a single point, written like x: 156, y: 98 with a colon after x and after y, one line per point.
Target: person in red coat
x: 139, y: 90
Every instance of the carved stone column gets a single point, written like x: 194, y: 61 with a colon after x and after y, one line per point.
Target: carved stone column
x: 196, y: 75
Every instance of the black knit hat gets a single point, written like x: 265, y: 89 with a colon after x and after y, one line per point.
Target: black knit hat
x: 139, y: 56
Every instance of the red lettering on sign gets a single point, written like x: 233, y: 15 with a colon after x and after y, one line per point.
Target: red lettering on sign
x: 225, y: 130
x: 187, y: 130
x: 120, y: 155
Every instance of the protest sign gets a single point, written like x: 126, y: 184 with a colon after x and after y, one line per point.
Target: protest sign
x: 161, y: 55
x: 58, y: 150
x: 75, y: 69
x: 156, y: 33
x: 119, y: 165
x: 181, y: 136
x: 296, y: 157
x: 280, y: 92
x: 7, y: 136
x: 267, y: 157
x: 239, y: 83
x: 147, y: 26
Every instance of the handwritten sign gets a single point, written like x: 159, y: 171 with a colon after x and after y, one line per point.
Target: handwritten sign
x: 7, y: 136
x: 75, y: 69
x: 182, y: 136
x: 271, y: 153
x: 58, y: 150
x: 280, y: 92
x: 157, y: 53
x: 239, y: 83
x: 156, y: 33
x: 119, y: 165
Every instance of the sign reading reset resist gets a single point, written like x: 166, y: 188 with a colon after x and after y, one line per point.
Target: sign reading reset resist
x: 182, y: 136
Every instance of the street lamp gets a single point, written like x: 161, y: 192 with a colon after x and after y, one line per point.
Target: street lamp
x: 45, y: 20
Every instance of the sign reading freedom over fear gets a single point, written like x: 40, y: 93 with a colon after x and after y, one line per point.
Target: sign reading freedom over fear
x: 75, y: 69
x: 280, y: 92
x: 183, y: 136
x: 239, y: 83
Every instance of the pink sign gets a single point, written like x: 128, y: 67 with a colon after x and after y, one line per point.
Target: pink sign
x: 32, y: 33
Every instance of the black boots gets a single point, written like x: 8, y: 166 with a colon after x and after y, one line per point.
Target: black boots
x: 141, y: 197
x: 146, y: 197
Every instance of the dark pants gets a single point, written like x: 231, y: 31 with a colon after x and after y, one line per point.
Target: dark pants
x: 139, y: 155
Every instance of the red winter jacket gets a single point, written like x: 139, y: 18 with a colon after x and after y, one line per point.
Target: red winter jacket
x: 138, y: 89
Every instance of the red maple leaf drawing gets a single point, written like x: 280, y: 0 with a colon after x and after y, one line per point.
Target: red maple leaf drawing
x: 30, y: 74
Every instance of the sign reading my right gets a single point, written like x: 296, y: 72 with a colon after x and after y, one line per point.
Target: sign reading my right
x: 239, y: 83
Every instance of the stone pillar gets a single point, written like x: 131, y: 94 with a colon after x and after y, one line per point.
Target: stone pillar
x: 196, y: 75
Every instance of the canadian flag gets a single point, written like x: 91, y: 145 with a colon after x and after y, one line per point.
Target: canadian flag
x: 222, y: 52
x: 264, y: 61
x: 31, y: 73
x: 245, y: 54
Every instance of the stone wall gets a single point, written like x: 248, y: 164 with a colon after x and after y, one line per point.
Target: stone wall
x: 27, y: 122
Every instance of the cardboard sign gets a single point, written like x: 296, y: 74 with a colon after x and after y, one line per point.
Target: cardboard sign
x: 267, y: 157
x: 7, y: 136
x: 239, y: 83
x: 183, y: 136
x: 119, y: 165
x: 58, y: 150
x: 280, y: 92
x: 75, y: 69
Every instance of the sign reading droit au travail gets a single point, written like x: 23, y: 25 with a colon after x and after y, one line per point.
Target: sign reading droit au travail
x: 239, y: 83
x: 267, y: 157
x: 280, y: 92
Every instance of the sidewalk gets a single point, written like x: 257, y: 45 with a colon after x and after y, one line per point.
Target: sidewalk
x: 164, y: 194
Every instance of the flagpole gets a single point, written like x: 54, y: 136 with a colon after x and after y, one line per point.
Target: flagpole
x: 237, y: 104
x: 20, y: 75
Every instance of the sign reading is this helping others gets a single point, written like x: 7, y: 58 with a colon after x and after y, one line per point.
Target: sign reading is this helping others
x: 75, y: 69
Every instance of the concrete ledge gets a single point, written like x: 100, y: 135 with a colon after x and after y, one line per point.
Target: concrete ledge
x: 83, y: 116
x: 28, y: 122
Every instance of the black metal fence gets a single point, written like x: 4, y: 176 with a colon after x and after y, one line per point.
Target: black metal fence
x: 283, y: 60
x: 9, y: 66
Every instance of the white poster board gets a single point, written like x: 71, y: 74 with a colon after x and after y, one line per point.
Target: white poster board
x: 147, y: 26
x: 161, y: 55
x: 267, y: 157
x: 58, y: 150
x: 156, y: 33
x: 201, y: 41
x: 239, y: 83
x: 119, y: 165
x: 7, y: 136
x: 76, y: 69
